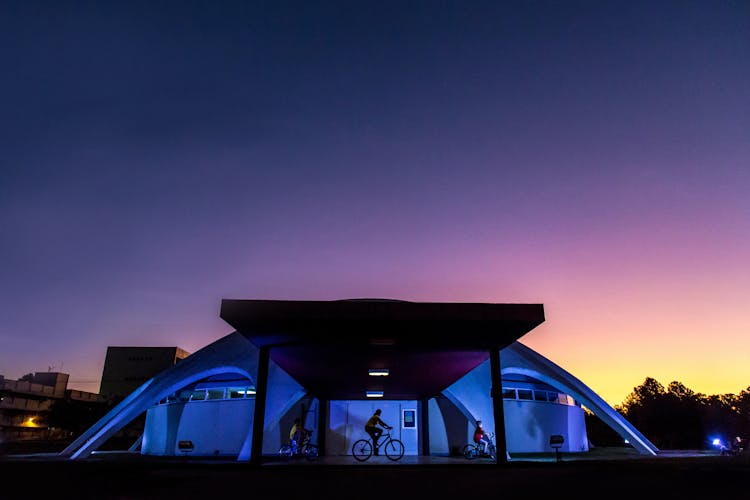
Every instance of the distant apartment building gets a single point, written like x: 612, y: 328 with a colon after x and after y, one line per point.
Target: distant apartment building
x: 26, y: 403
x: 127, y: 368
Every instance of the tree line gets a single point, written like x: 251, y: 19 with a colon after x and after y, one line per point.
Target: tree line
x: 675, y: 417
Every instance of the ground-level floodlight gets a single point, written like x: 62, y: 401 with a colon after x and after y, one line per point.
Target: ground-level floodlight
x: 556, y: 441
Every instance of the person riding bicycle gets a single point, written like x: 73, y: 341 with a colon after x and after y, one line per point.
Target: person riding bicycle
x: 371, y: 428
x: 481, y: 437
x: 297, y: 434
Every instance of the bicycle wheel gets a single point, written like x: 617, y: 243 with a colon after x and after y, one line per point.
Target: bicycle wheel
x: 362, y: 450
x: 492, y: 452
x: 394, y: 449
x: 285, y: 452
x: 469, y: 452
x: 311, y: 452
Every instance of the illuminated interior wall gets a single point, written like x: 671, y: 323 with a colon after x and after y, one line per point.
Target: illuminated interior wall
x: 346, y: 424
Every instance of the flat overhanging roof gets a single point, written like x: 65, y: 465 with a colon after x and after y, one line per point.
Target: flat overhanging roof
x: 329, y: 346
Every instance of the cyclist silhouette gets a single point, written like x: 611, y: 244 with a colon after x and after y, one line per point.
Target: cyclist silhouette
x: 371, y: 428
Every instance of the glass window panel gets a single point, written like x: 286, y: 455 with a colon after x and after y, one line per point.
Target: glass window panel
x: 198, y: 395
x: 236, y: 392
x: 216, y: 393
x: 524, y: 394
x: 509, y: 394
x: 410, y: 418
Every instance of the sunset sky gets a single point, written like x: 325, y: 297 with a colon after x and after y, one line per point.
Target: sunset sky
x: 156, y: 157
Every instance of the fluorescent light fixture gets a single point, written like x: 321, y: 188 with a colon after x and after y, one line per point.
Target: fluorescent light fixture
x: 249, y: 391
x: 374, y: 394
x: 379, y: 372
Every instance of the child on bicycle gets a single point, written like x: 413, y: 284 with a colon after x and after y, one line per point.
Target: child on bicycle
x: 481, y: 437
x: 371, y: 428
x: 297, y: 435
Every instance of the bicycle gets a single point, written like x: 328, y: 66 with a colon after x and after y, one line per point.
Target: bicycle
x: 394, y: 448
x: 474, y: 450
x: 305, y: 449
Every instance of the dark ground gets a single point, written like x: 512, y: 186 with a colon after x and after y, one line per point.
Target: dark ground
x: 132, y: 476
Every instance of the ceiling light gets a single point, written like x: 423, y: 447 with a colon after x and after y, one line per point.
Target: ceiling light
x: 374, y: 394
x: 379, y: 372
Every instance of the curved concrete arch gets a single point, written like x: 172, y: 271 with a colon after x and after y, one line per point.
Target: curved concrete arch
x: 230, y: 354
x: 293, y: 400
x: 459, y: 405
x: 519, y: 359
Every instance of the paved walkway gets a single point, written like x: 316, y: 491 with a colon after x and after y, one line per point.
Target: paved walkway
x: 603, y: 454
x: 123, y: 476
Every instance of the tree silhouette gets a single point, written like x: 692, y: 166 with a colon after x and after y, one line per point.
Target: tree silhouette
x: 679, y: 418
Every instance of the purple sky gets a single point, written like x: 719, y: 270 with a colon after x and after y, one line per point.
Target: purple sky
x: 591, y: 156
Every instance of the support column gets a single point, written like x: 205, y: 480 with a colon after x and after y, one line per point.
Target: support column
x: 322, y: 425
x: 497, y: 406
x: 261, y: 387
x: 425, y: 426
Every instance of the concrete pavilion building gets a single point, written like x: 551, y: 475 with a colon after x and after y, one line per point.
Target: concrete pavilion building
x: 433, y: 368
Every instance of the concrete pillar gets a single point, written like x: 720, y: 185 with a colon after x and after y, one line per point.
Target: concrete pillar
x: 424, y: 426
x: 322, y: 425
x: 497, y: 406
x: 259, y: 417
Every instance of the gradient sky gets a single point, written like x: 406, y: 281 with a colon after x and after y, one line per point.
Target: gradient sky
x: 157, y: 157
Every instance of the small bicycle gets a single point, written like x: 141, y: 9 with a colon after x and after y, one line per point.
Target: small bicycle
x: 474, y: 450
x: 305, y: 449
x: 363, y: 448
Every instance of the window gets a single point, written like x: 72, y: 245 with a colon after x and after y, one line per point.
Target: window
x: 568, y: 400
x: 509, y: 394
x: 236, y: 392
x: 525, y: 394
x: 198, y: 395
x: 215, y: 394
x: 409, y: 419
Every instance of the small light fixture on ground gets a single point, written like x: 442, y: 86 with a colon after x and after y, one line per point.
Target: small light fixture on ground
x: 374, y: 394
x: 379, y: 372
